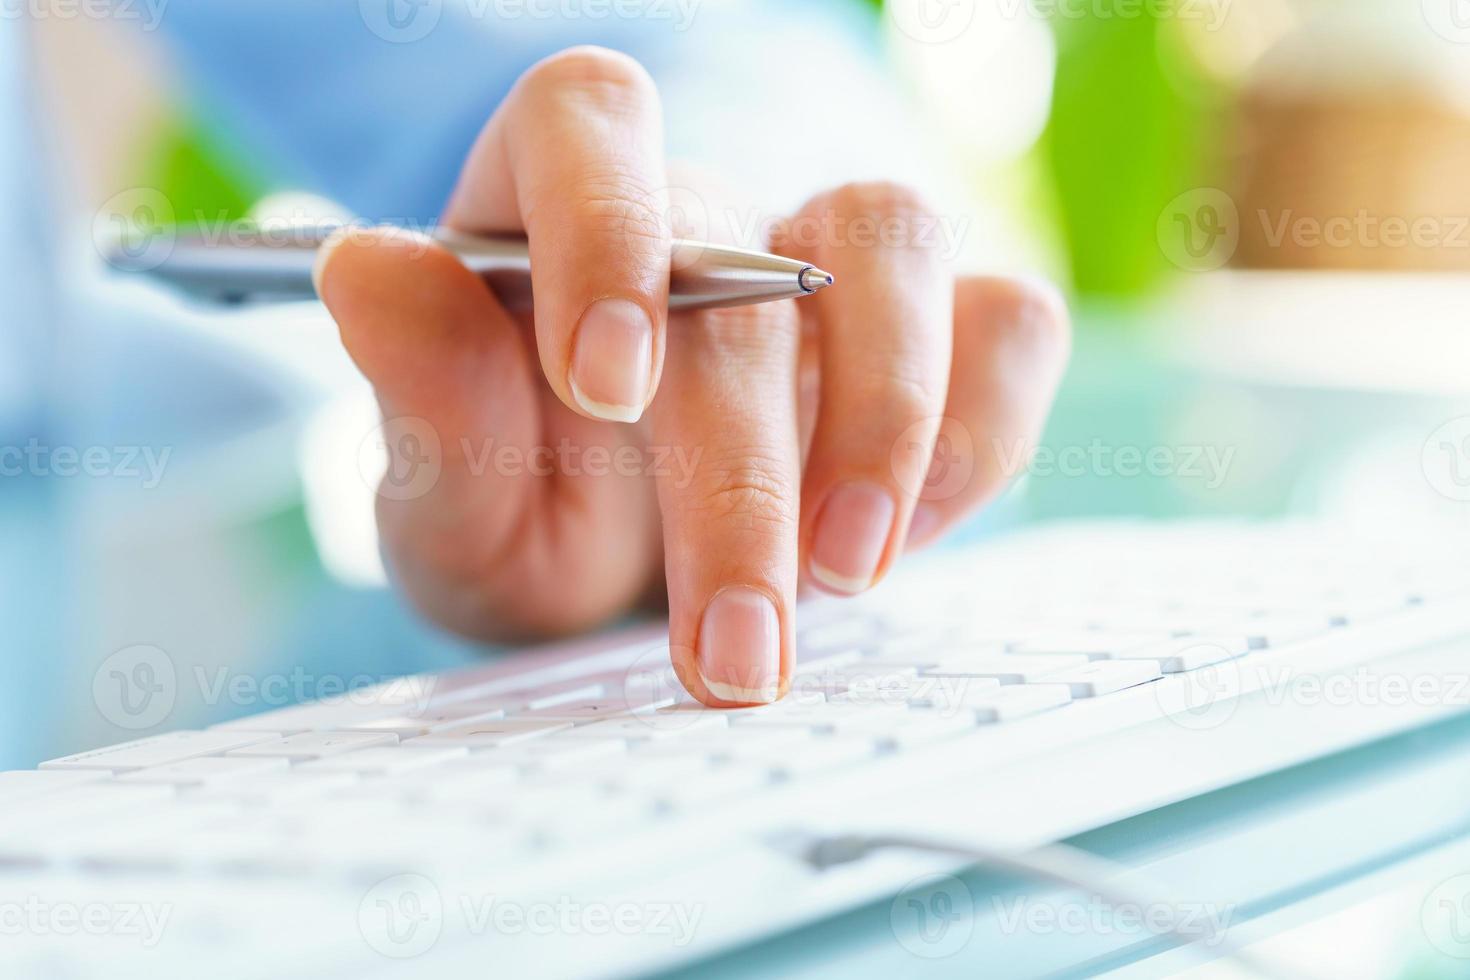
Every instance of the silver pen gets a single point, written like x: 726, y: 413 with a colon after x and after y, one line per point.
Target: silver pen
x: 275, y: 265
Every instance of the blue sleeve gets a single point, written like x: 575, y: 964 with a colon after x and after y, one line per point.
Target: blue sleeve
x: 373, y: 103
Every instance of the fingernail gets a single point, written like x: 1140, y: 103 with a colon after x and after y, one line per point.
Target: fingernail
x: 612, y: 361
x: 323, y: 256
x: 740, y: 647
x: 852, y: 531
x: 924, y: 526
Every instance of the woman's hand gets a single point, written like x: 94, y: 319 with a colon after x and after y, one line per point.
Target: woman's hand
x: 787, y: 443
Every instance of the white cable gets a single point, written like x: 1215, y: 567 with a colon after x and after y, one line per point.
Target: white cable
x: 1059, y: 864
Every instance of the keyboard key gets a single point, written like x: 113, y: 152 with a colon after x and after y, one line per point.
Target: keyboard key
x: 713, y: 745
x: 929, y: 647
x: 489, y: 735
x: 654, y: 724
x: 870, y: 674
x: 567, y: 692
x: 1193, y: 652
x: 1019, y: 701
x: 954, y: 695
x: 104, y: 799
x: 433, y: 720
x: 640, y: 773
x: 270, y: 788
x: 139, y: 841
x: 815, y: 688
x: 210, y: 769
x: 317, y: 745
x: 472, y: 779
x: 928, y: 726
x: 25, y: 784
x: 817, y: 756
x: 921, y: 689
x: 384, y: 761
x: 722, y: 782
x: 1278, y: 631
x: 157, y: 750
x: 1095, y: 645
x: 825, y: 718
x: 609, y: 814
x: 1342, y: 609
x: 404, y: 695
x: 557, y: 754
x: 1106, y: 677
x: 1008, y: 669
x: 585, y: 712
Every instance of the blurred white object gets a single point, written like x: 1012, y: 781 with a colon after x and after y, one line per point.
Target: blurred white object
x: 1375, y: 332
x: 990, y: 84
x: 342, y: 459
x: 1373, y: 47
x: 981, y: 74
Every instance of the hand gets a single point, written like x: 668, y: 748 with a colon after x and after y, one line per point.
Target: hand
x: 569, y: 493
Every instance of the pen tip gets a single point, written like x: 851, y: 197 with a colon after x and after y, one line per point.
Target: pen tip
x: 813, y: 279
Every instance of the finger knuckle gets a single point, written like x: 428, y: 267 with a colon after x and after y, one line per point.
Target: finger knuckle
x: 905, y: 396
x: 880, y: 199
x: 749, y: 494
x: 1034, y: 314
x: 617, y: 197
x: 749, y: 337
x: 610, y: 79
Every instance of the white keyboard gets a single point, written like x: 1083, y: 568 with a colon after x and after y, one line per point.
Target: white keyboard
x: 1022, y: 691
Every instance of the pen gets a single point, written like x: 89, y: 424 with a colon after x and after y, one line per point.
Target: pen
x: 275, y: 265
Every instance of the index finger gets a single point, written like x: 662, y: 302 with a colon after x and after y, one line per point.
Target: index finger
x: 574, y: 156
